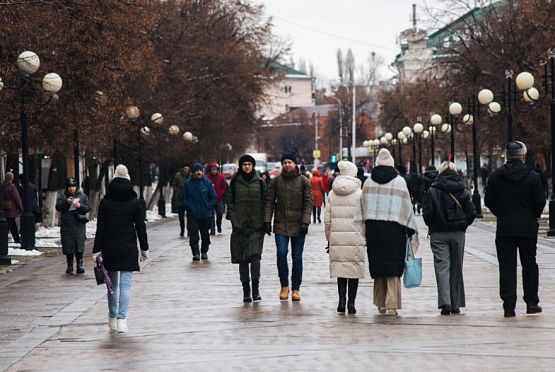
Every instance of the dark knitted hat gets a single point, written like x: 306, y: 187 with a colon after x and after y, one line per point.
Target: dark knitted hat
x: 246, y: 159
x: 198, y: 166
x: 71, y: 182
x: 515, y: 149
x: 289, y: 156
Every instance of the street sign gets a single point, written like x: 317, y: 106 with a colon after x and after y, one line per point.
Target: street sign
x: 316, y: 154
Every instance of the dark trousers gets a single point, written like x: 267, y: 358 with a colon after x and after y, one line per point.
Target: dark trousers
x: 316, y: 213
x: 506, y: 254
x: 181, y: 216
x: 12, y: 225
x: 254, y: 264
x: 217, y: 220
x: 194, y: 226
x: 297, y: 246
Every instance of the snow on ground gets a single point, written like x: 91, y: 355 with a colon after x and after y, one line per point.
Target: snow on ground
x: 23, y: 252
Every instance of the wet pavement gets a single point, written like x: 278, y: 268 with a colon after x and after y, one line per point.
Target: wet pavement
x: 190, y: 316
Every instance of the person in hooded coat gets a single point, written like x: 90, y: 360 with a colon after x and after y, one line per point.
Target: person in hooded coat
x: 120, y: 223
x: 12, y: 205
x: 245, y: 209
x: 429, y: 177
x: 515, y: 195
x: 448, y: 211
x: 73, y: 205
x: 344, y: 229
x: 390, y: 221
x: 318, y: 191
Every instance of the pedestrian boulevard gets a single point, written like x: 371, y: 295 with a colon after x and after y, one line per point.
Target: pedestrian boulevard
x: 186, y: 316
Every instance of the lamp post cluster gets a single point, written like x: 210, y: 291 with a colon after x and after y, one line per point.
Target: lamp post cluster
x: 27, y: 93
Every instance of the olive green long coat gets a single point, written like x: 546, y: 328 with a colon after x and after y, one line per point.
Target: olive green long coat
x: 245, y: 210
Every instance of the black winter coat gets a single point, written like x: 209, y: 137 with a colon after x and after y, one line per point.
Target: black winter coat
x: 441, y: 212
x: 515, y: 195
x: 73, y: 231
x: 120, y: 223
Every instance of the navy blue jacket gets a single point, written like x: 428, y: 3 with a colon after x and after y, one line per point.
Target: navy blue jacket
x: 199, y: 198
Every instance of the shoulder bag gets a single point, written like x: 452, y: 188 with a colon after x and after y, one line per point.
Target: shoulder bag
x: 412, y: 277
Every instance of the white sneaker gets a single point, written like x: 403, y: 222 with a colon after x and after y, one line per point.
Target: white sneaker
x: 113, y: 324
x: 387, y: 312
x: 122, y: 326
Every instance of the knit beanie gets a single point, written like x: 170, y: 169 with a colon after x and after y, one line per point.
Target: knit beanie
x: 289, y: 156
x: 122, y: 172
x: 385, y: 158
x: 346, y: 168
x: 515, y: 149
x: 246, y: 159
x: 197, y: 166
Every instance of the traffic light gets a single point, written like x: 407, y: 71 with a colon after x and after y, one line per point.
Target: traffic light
x: 333, y: 158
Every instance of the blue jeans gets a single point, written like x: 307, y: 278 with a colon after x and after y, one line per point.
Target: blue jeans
x: 118, y: 301
x: 297, y: 246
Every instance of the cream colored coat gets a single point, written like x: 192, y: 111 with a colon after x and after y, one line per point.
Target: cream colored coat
x: 345, y: 229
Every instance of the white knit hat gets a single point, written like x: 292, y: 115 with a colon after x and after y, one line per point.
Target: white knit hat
x: 385, y: 158
x: 122, y: 172
x: 346, y: 168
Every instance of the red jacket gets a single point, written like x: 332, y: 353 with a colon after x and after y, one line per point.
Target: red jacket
x: 219, y: 184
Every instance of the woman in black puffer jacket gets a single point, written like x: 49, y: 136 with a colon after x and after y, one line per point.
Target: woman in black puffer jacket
x: 120, y: 223
x: 448, y: 211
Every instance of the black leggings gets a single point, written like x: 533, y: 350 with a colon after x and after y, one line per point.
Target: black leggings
x: 254, y: 269
x: 12, y: 225
x: 316, y: 212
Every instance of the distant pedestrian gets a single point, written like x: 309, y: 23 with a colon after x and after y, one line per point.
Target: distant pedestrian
x: 325, y: 182
x: 11, y: 204
x: 199, y: 198
x: 73, y: 205
x: 317, y: 187
x: 179, y: 179
x: 390, y: 221
x: 120, y: 223
x: 32, y: 198
x: 245, y: 209
x: 428, y: 178
x: 345, y: 234
x: 265, y: 176
x: 220, y: 186
x: 515, y: 195
x: 289, y: 201
x: 448, y: 211
x: 360, y: 175
x: 415, y: 185
x: 484, y: 174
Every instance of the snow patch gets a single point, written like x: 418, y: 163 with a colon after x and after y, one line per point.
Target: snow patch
x: 23, y: 252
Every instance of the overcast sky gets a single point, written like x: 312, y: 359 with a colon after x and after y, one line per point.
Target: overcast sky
x: 317, y: 28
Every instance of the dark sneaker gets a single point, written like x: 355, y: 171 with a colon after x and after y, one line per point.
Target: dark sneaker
x: 533, y: 309
x: 446, y: 310
x: 509, y: 313
x: 220, y: 229
x: 196, y: 257
x: 204, y: 256
x: 455, y: 311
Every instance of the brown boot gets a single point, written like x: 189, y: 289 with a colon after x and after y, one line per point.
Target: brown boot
x: 296, y: 296
x: 284, y: 294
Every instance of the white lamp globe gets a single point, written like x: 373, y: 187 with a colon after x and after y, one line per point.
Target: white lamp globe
x: 365, y: 143
x: 468, y: 119
x: 388, y: 136
x: 195, y: 139
x: 157, y: 118
x: 432, y: 129
x: 401, y: 135
x: 228, y: 147
x: 455, y: 108
x: 1, y: 84
x: 418, y: 128
x: 383, y: 141
x: 425, y: 134
x: 494, y: 107
x: 132, y: 112
x: 52, y: 82
x: 394, y: 141
x: 145, y: 130
x: 485, y: 97
x: 376, y: 142
x: 405, y: 141
x: 436, y: 119
x: 188, y: 136
x: 531, y: 95
x: 446, y: 128
x: 28, y: 62
x: 173, y: 130
x: 407, y: 131
x: 524, y: 81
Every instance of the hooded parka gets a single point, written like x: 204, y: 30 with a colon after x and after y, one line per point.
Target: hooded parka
x: 345, y: 229
x: 317, y: 187
x: 73, y: 230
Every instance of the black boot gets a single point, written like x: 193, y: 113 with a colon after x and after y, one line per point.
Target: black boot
x: 196, y: 253
x: 353, y: 288
x: 69, y: 259
x: 342, y: 291
x: 255, y: 291
x: 246, y: 292
x: 80, y: 268
x: 446, y: 310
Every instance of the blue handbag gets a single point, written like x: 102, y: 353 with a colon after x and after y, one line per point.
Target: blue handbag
x: 412, y: 277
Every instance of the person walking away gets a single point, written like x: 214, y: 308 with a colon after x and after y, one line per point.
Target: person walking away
x: 220, y: 186
x: 415, y: 186
x: 345, y: 231
x: 11, y: 204
x: 361, y: 176
x: 73, y: 206
x: 448, y: 211
x: 389, y: 220
x: 199, y: 198
x: 317, y: 187
x: 245, y: 210
x: 515, y: 195
x: 289, y: 201
x: 428, y: 178
x: 177, y: 207
x: 325, y: 182
x: 120, y: 223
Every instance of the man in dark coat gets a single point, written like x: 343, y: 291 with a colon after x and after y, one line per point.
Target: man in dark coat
x: 177, y: 207
x: 73, y: 205
x: 515, y: 195
x: 199, y: 198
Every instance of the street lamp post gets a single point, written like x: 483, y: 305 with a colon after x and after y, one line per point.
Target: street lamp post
x: 28, y: 63
x: 418, y: 129
x: 435, y: 120
x: 402, y: 140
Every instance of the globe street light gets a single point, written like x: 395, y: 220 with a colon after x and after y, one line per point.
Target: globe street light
x: 28, y: 63
x: 418, y: 129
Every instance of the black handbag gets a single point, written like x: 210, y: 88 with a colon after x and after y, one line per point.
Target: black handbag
x: 99, y: 272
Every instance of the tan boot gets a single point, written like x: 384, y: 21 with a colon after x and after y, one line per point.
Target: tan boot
x: 296, y: 296
x: 284, y: 294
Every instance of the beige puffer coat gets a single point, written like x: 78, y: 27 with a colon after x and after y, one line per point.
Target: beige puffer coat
x: 345, y: 228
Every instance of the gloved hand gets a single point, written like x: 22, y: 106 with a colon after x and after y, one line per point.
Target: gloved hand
x: 95, y: 255
x: 304, y: 229
x: 268, y: 228
x: 144, y: 255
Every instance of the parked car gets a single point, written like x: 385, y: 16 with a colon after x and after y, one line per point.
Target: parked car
x: 274, y: 169
x: 229, y: 170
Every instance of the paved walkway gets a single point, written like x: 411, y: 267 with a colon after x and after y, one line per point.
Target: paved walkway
x: 190, y: 316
